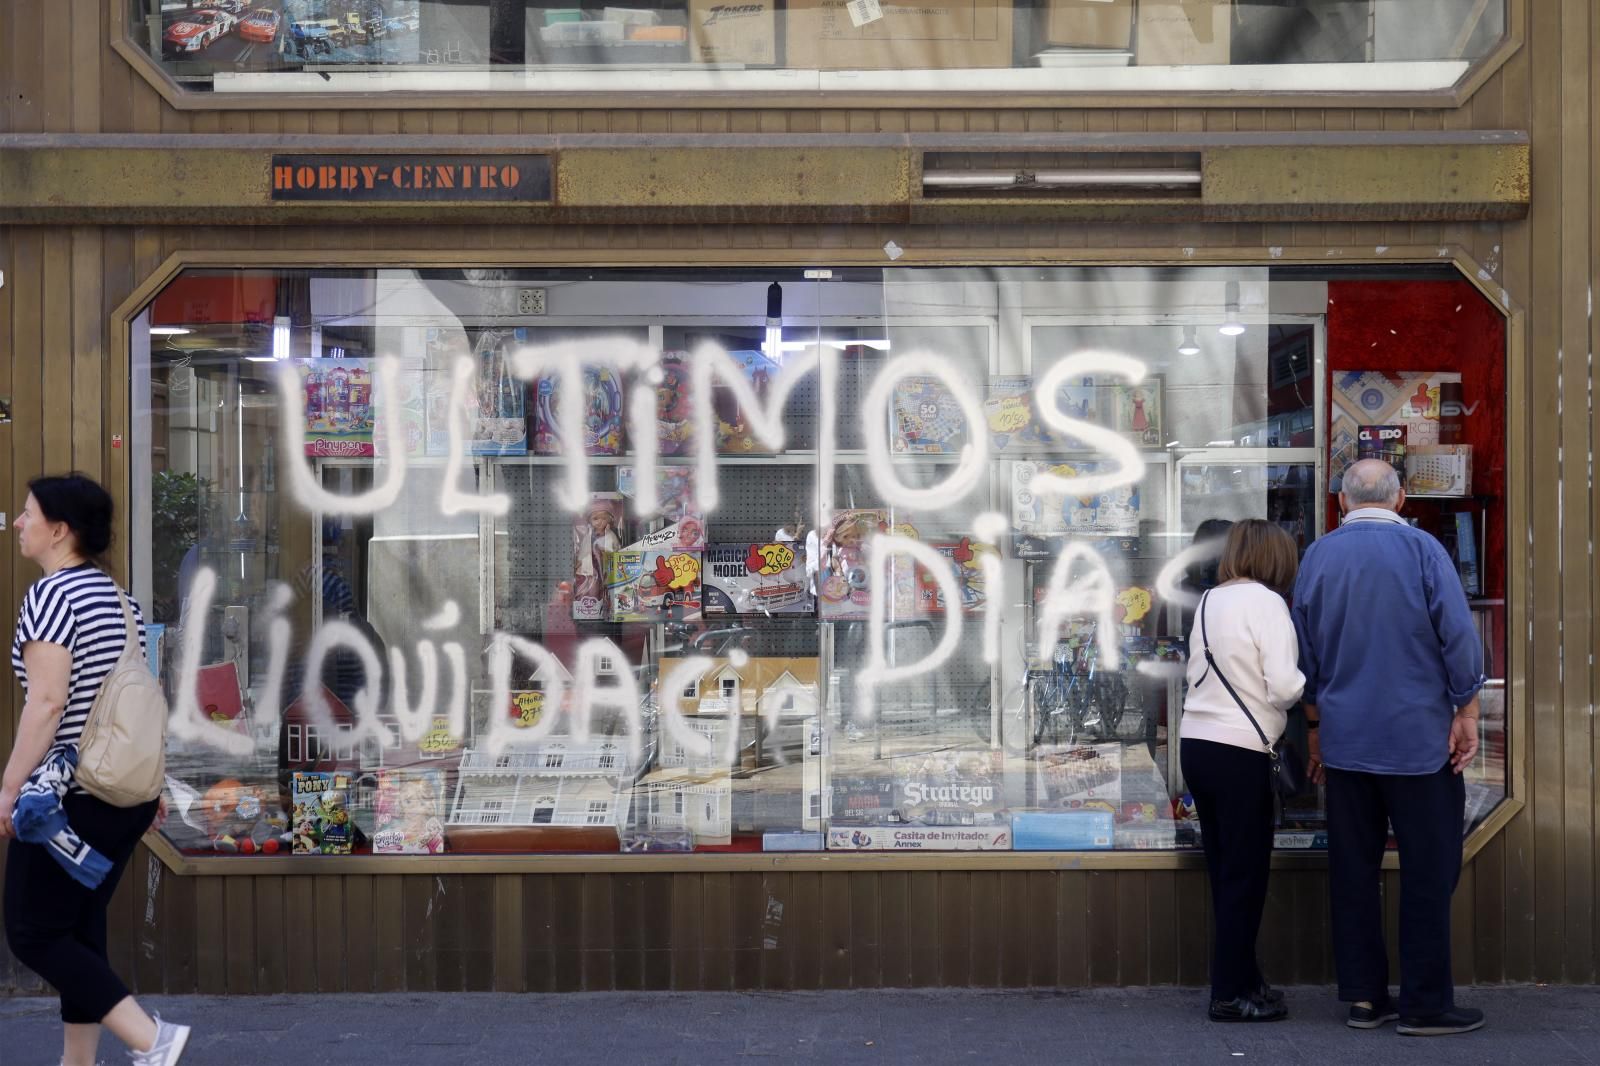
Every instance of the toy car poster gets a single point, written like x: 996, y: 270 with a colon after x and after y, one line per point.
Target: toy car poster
x: 356, y: 31
x: 647, y: 585
x: 843, y: 581
x: 596, y: 533
x: 602, y: 414
x: 321, y: 822
x: 1041, y: 520
x: 734, y: 435
x: 339, y: 413
x: 1413, y: 399
x: 927, y: 419
x: 751, y: 578
x: 409, y: 813
x: 674, y: 410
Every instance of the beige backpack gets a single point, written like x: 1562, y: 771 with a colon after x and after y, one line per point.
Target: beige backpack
x: 122, y: 753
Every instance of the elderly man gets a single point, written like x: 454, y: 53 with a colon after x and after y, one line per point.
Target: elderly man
x: 1393, y: 666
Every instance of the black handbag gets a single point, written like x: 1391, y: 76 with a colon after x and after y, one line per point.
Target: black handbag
x: 1286, y: 773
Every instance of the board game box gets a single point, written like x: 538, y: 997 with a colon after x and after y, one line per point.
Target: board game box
x: 752, y: 578
x: 1383, y: 442
x: 1040, y: 521
x: 927, y: 419
x: 1412, y: 399
x: 409, y: 813
x: 321, y: 822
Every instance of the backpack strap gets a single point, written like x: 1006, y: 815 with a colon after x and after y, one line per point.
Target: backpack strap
x: 130, y: 646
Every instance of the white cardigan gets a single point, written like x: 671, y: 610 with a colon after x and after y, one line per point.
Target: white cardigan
x: 1253, y: 641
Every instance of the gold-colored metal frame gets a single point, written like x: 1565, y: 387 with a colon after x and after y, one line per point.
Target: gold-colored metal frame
x: 1518, y: 479
x: 185, y: 100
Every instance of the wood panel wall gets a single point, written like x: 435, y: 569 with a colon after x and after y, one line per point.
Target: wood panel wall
x: 1526, y: 908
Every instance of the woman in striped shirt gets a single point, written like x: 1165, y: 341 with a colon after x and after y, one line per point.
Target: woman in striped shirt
x: 70, y: 634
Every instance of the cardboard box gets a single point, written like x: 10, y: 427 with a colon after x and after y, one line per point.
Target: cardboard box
x: 1068, y: 831
x: 733, y: 31
x: 931, y: 35
x: 1183, y: 33
x: 1090, y: 23
x: 920, y: 838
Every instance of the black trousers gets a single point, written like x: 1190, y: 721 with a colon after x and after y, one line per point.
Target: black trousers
x: 1427, y: 812
x: 56, y: 926
x: 1233, y: 797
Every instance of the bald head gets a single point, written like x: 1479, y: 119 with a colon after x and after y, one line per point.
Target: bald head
x: 1371, y: 483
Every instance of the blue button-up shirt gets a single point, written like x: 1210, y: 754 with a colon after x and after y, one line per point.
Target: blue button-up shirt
x: 1387, y: 644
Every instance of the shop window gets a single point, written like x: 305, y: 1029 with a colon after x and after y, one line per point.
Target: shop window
x: 295, y: 427
x: 685, y: 46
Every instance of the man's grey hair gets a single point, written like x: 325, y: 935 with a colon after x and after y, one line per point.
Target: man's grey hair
x: 1370, y: 482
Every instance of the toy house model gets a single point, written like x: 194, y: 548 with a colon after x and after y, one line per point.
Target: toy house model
x: 559, y: 782
x: 763, y: 696
x: 699, y: 802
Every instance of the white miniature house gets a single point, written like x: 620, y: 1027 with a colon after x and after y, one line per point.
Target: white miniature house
x: 558, y: 782
x: 697, y: 801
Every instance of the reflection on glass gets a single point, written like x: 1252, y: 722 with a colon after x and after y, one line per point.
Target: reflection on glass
x: 900, y: 560
x: 1101, y: 45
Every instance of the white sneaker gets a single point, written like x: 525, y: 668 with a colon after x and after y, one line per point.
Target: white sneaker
x: 168, y: 1049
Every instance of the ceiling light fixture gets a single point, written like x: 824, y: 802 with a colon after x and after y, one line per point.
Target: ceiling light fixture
x: 169, y: 331
x: 1189, y: 345
x: 1231, y: 326
x: 280, y: 337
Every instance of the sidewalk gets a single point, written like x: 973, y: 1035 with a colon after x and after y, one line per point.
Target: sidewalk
x: 1527, y: 1025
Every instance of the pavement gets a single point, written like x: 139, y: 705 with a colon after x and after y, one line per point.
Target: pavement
x: 1534, y: 1025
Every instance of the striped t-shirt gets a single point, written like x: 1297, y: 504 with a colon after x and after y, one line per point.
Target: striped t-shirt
x: 76, y: 608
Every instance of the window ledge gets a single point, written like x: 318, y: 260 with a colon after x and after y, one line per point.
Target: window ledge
x: 1384, y: 77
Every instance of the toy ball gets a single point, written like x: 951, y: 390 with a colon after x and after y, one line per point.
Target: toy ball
x: 247, y: 846
x: 269, y: 847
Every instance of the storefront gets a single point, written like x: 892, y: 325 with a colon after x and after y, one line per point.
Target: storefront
x: 595, y: 548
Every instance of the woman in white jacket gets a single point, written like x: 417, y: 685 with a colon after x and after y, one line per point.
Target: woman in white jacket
x: 1246, y: 624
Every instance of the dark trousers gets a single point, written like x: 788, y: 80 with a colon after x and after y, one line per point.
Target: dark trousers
x: 56, y: 926
x: 1427, y: 812
x: 1233, y: 797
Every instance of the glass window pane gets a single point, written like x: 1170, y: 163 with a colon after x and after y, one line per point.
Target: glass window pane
x: 930, y: 585
x: 684, y: 46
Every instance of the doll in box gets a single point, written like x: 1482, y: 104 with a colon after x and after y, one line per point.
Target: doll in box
x: 593, y: 538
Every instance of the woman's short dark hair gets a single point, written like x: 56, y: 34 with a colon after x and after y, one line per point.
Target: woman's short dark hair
x: 81, y: 503
x: 1258, y: 550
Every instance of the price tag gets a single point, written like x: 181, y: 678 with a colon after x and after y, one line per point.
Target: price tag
x: 864, y: 11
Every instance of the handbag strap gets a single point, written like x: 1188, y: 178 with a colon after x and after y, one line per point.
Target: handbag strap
x: 1212, y: 667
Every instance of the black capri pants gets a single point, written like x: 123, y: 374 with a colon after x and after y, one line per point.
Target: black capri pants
x: 56, y: 926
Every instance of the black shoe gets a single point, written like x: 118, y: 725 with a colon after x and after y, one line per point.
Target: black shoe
x: 1374, y: 1017
x: 1451, y: 1022
x: 1246, y: 1009
x: 1267, y: 994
